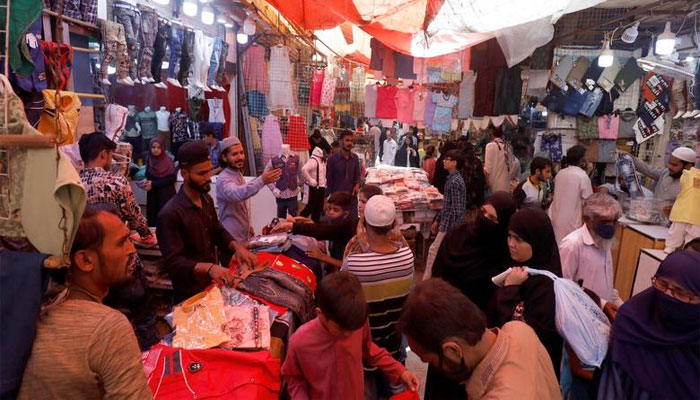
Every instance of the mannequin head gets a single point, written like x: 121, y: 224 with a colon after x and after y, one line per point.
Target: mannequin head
x: 285, y: 150
x: 147, y: 109
x: 162, y: 108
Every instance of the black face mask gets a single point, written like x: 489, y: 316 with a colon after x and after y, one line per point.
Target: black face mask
x: 486, y: 226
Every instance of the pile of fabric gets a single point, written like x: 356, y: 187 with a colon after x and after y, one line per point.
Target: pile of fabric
x: 407, y: 187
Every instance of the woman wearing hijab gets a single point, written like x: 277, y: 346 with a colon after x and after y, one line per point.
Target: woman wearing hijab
x: 468, y: 257
x: 316, y: 140
x: 531, y: 299
x: 654, y: 348
x: 160, y: 172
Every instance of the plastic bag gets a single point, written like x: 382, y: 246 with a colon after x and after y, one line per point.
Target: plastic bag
x: 579, y: 320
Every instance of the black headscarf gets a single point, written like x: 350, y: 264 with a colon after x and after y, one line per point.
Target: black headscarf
x: 322, y: 142
x: 533, y: 226
x: 656, y: 339
x: 471, y: 253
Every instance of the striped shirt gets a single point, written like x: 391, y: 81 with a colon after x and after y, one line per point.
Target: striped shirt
x: 386, y: 280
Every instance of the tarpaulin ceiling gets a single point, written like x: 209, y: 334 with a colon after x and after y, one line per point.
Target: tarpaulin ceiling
x: 430, y: 28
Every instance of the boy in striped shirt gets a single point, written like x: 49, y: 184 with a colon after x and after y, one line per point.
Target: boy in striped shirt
x: 386, y: 275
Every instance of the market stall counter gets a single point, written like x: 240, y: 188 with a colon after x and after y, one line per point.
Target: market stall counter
x: 630, y: 237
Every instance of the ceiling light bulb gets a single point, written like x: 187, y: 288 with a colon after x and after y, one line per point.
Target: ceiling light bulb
x: 189, y: 8
x: 207, y: 16
x: 165, y: 65
x: 606, y: 56
x: 249, y: 26
x: 666, y: 41
x: 630, y: 34
x: 242, y: 38
x: 689, y: 59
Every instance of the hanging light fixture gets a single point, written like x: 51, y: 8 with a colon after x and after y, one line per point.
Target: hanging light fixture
x: 606, y: 56
x: 666, y: 41
x: 242, y: 38
x: 190, y: 8
x: 249, y: 26
x: 630, y: 34
x: 207, y: 15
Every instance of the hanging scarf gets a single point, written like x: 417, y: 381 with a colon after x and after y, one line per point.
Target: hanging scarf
x: 656, y: 339
x: 160, y: 166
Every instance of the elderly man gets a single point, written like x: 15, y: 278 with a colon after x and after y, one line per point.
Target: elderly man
x: 585, y: 253
x: 667, y: 179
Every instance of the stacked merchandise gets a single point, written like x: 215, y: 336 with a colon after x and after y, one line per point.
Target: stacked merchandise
x: 407, y: 187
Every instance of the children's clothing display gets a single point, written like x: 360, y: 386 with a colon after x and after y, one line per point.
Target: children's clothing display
x: 370, y: 101
x: 296, y: 137
x: 404, y: 106
x: 386, y: 102
x: 608, y: 126
x: 255, y: 69
x: 466, y: 95
x: 271, y: 138
x: 317, y: 87
x: 442, y: 121
x: 281, y: 95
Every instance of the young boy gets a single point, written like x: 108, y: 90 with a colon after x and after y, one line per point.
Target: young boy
x: 453, y: 207
x: 338, y: 228
x: 532, y: 191
x: 325, y: 356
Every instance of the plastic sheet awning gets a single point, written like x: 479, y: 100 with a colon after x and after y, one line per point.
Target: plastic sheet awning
x: 430, y: 28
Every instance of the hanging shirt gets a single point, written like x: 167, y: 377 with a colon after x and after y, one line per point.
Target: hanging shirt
x: 419, y: 98
x: 178, y: 127
x: 216, y: 110
x: 404, y: 106
x: 466, y: 95
x: 232, y: 198
x: 317, y: 88
x: 430, y: 107
x: 163, y: 116
x: 328, y: 91
x: 255, y: 70
x: 571, y: 187
x: 281, y: 94
x: 271, y: 138
x: 296, y: 138
x: 442, y: 120
x: 386, y: 102
x: 371, y: 101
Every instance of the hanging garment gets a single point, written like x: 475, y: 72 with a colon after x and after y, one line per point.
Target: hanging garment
x: 484, y: 92
x: 430, y: 107
x: 317, y: 87
x: 114, y: 43
x: 296, y: 138
x: 607, y: 77
x: 255, y: 69
x: 561, y: 71
x: 257, y: 104
x: 149, y: 124
x: 176, y: 38
x: 386, y: 102
x: 509, y: 86
x: 162, y: 116
x: 204, y: 47
x: 371, y: 101
x: 357, y: 85
x: 68, y: 106
x: 629, y: 73
x: 214, y: 61
x: 608, y: 126
x: 128, y: 15
x: 212, y: 374
x: 404, y: 106
x: 574, y: 79
x: 178, y: 128
x: 271, y: 138
x: 328, y: 90
x: 159, y: 48
x: 403, y: 66
x: 420, y: 96
x: 552, y: 146
x: 626, y: 123
x: 442, y: 120
x: 115, y: 121
x: 591, y: 101
x: 281, y: 289
x: 465, y: 108
x: 281, y: 95
x: 23, y: 15
x: 58, y: 61
x: 216, y: 110
x: 587, y: 128
x: 149, y: 30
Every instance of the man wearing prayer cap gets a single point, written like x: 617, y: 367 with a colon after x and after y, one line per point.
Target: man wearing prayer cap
x: 668, y: 179
x: 232, y: 192
x: 195, y: 246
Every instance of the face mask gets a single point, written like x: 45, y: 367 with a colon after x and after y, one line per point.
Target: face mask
x: 605, y: 231
x: 674, y: 311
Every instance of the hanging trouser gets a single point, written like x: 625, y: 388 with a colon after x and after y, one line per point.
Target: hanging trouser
x: 149, y: 30
x: 159, y: 47
x: 214, y: 61
x: 176, y: 37
x: 114, y: 42
x: 129, y: 16
x: 203, y: 47
x: 187, y: 57
x: 221, y: 71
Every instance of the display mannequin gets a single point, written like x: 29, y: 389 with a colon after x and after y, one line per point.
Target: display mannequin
x: 162, y: 116
x: 287, y: 188
x: 148, y: 126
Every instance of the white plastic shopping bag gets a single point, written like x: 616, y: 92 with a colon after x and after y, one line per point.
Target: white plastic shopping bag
x: 579, y: 320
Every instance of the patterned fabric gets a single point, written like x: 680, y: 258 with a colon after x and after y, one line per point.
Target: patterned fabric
x: 149, y: 30
x: 608, y: 126
x: 357, y: 86
x: 130, y: 19
x: 83, y: 10
x: 551, y: 144
x: 257, y: 104
x: 178, y: 127
x: 455, y: 202
x: 176, y: 38
x: 296, y: 138
x: 442, y: 120
x: 328, y: 91
x: 271, y: 138
x: 104, y: 187
x: 114, y: 46
x: 587, y: 128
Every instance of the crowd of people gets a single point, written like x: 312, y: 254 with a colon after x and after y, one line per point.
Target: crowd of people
x: 480, y: 340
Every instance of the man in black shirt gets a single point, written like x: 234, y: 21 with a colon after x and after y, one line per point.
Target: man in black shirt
x: 193, y: 241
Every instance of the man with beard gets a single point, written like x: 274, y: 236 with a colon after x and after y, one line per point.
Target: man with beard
x: 668, y: 179
x: 585, y: 253
x: 533, y: 190
x: 445, y: 329
x: 84, y: 349
x: 232, y: 192
x: 194, y: 244
x: 343, y: 172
